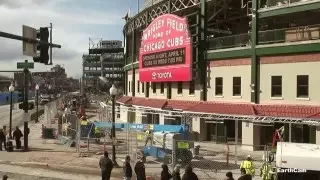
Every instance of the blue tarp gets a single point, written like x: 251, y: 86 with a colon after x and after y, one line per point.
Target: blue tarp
x: 142, y: 127
x: 108, y: 125
x: 15, y: 97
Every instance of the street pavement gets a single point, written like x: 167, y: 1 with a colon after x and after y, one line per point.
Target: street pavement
x: 17, y: 115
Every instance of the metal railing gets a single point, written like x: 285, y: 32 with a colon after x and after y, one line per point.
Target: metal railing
x: 238, y: 40
x: 282, y: 3
x: 301, y: 33
x: 294, y: 34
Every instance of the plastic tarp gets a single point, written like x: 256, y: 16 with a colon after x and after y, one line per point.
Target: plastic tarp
x: 298, y: 155
x: 157, y: 127
x: 108, y: 125
x: 142, y: 127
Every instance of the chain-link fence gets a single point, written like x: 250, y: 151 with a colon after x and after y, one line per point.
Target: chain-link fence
x: 52, y: 111
x: 210, y: 160
x: 52, y: 117
x: 213, y: 161
x: 96, y: 137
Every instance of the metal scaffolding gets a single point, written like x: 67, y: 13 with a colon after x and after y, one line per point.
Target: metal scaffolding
x: 187, y: 116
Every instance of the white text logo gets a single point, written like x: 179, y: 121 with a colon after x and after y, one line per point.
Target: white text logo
x: 163, y: 75
x: 291, y: 170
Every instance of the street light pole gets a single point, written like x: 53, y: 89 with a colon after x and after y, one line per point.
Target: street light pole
x: 37, y: 102
x: 113, y: 93
x: 11, y: 89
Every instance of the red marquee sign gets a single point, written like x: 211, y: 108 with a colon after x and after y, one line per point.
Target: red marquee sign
x: 165, y: 53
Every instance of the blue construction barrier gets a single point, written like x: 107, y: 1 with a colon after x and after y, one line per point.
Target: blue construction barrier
x: 143, y: 127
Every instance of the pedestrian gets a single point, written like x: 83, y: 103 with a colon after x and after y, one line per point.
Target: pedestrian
x: 176, y: 173
x: 2, y: 140
x: 189, y: 174
x: 140, y: 169
x: 106, y: 166
x: 244, y: 174
x: 229, y: 176
x: 165, y: 174
x: 17, y: 134
x: 127, y: 169
x: 5, y: 132
x: 4, y: 177
x: 248, y: 166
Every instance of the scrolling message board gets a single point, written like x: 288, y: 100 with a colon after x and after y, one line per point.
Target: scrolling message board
x: 165, y: 53
x: 172, y: 57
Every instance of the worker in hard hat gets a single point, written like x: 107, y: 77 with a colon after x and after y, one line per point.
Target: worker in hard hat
x: 148, y: 137
x: 84, y: 121
x: 248, y: 166
x: 266, y: 170
x: 97, y: 132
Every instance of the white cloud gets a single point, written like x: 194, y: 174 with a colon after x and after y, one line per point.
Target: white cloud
x: 66, y: 31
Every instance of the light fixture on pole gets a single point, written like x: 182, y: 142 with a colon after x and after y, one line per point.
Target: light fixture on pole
x: 11, y: 89
x: 113, y: 92
x: 37, y: 102
x: 49, y: 89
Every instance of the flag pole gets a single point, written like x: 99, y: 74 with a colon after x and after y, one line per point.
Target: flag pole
x: 129, y: 14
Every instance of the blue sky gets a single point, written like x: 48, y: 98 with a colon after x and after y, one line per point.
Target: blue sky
x: 74, y: 22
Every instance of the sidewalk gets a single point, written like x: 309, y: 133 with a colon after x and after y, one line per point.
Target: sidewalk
x: 49, y: 158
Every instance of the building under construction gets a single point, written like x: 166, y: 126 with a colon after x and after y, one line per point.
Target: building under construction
x: 253, y: 61
x: 103, y: 66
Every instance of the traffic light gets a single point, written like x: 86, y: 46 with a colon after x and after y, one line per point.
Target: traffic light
x: 30, y: 105
x: 42, y: 35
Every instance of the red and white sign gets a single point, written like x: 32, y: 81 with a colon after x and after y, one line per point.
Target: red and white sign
x: 165, y: 52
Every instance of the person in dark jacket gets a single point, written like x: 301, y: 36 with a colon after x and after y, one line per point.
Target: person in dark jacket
x: 140, y: 169
x: 176, y: 173
x: 2, y: 139
x: 4, y: 177
x: 165, y: 174
x: 127, y: 169
x: 189, y: 174
x: 17, y: 134
x: 229, y: 176
x: 244, y: 176
x: 106, y: 166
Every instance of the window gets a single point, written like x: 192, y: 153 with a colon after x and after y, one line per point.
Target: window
x: 138, y: 86
x: 118, y: 115
x: 236, y: 86
x: 191, y: 87
x: 154, y: 88
x: 302, y: 86
x: 129, y: 86
x: 276, y: 86
x: 142, y: 88
x: 179, y: 87
x: 219, y: 86
x: 162, y: 88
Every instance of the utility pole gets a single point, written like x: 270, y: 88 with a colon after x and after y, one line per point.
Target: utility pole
x: 25, y: 66
x: 50, y: 43
x: 26, y: 104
